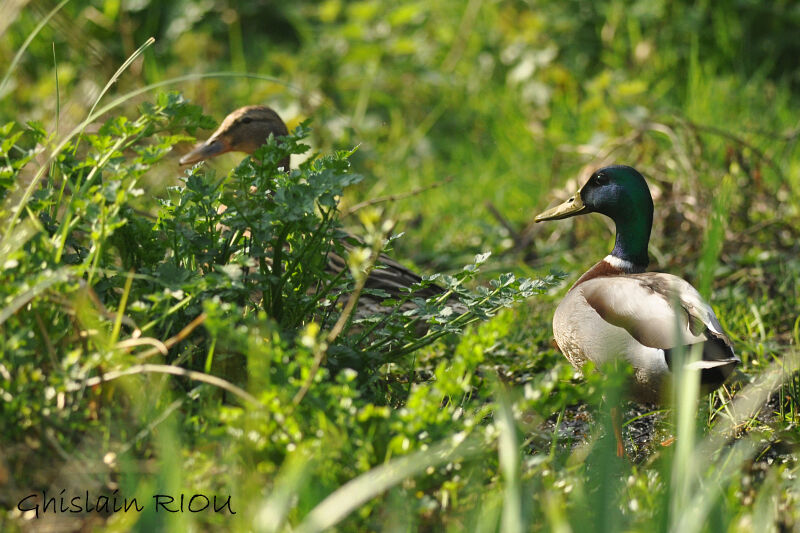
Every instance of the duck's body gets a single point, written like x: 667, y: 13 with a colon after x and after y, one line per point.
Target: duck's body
x: 643, y: 317
x: 617, y: 310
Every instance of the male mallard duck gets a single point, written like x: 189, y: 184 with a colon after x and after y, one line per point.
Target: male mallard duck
x: 616, y: 309
x: 247, y: 129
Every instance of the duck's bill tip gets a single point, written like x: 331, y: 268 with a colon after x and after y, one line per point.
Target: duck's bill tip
x: 570, y: 208
x: 187, y: 160
x: 204, y: 151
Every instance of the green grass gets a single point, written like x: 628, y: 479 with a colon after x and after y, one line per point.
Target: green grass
x: 133, y: 357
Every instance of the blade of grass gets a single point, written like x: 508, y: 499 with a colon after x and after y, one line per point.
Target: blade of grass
x: 167, y: 369
x: 271, y: 513
x: 139, y: 51
x: 685, y: 392
x: 356, y: 492
x: 57, y: 276
x: 17, y: 239
x: 508, y: 450
x: 27, y: 43
x: 58, y: 90
x: 123, y: 302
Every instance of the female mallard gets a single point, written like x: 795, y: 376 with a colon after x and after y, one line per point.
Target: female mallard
x: 616, y: 309
x: 244, y: 130
x: 247, y: 129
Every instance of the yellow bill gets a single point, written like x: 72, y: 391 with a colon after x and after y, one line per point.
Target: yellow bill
x: 573, y: 206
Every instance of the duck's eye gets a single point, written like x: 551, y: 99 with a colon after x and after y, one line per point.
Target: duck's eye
x: 601, y: 179
x: 246, y: 120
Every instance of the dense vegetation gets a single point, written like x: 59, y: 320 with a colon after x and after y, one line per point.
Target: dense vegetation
x: 153, y: 343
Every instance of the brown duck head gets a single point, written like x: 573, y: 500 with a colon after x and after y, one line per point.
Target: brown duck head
x: 244, y: 130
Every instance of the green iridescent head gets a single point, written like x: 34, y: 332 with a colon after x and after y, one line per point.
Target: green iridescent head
x: 620, y: 193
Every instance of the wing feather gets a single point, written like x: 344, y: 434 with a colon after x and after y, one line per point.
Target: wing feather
x: 658, y: 310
